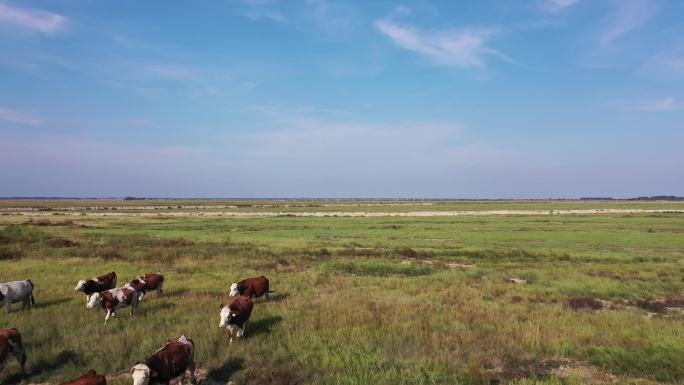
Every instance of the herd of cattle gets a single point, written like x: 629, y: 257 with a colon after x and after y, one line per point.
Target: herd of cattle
x: 171, y: 361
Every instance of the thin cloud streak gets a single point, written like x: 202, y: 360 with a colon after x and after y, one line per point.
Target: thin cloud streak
x: 656, y: 104
x: 18, y: 117
x: 630, y: 15
x: 256, y: 10
x: 465, y: 48
x: 554, y: 6
x: 36, y: 20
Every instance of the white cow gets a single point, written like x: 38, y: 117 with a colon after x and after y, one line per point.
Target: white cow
x: 113, y: 299
x: 16, y: 291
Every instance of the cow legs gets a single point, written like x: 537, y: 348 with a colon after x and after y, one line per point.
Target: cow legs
x: 134, y: 303
x: 21, y: 358
x: 160, y: 289
x: 22, y: 362
x: 140, y: 297
x: 193, y: 380
x: 8, y: 304
x: 231, y: 333
x: 109, y: 314
x: 241, y: 331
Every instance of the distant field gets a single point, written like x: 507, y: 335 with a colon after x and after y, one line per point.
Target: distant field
x: 359, y: 300
x: 322, y: 206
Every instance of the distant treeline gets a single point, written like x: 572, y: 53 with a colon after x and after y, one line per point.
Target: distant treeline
x: 653, y: 198
x: 131, y: 198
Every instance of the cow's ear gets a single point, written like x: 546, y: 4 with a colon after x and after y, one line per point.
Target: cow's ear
x: 220, y: 306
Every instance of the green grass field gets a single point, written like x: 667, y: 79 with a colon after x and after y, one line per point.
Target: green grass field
x: 359, y: 300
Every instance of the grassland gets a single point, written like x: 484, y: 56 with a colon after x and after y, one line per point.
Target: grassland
x: 359, y: 300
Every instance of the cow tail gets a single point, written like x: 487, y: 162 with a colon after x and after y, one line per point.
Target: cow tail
x: 33, y: 300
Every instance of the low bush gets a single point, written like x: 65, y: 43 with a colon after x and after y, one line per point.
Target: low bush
x: 376, y: 268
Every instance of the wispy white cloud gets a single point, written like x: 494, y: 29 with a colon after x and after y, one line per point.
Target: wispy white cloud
x: 629, y: 15
x: 466, y: 48
x: 19, y: 117
x: 32, y: 19
x: 656, y: 104
x: 335, y: 19
x: 168, y: 71
x: 558, y: 5
x: 264, y: 15
x: 261, y: 10
x: 666, y: 65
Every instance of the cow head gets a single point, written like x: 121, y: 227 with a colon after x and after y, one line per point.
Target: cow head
x: 94, y: 301
x: 225, y: 315
x: 141, y: 374
x: 233, y: 290
x: 80, y: 285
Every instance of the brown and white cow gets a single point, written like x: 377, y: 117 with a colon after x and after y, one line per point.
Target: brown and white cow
x: 235, y: 316
x: 167, y: 363
x: 10, y: 343
x: 147, y: 282
x: 113, y: 299
x: 17, y: 291
x: 96, y: 285
x: 251, y: 287
x: 89, y: 378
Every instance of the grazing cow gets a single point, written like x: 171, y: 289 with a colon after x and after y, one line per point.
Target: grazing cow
x: 235, y: 316
x: 147, y: 282
x: 251, y: 287
x: 89, y: 378
x: 113, y: 299
x: 10, y: 343
x: 167, y: 363
x: 97, y: 284
x: 17, y: 291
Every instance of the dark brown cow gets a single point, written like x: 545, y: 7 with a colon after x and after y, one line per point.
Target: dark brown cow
x: 251, y: 287
x: 147, y: 282
x: 113, y: 299
x: 235, y: 315
x: 97, y: 284
x: 10, y: 343
x: 167, y: 363
x: 89, y: 378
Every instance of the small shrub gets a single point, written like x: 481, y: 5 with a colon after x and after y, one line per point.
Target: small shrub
x: 654, y: 306
x: 61, y: 242
x: 376, y: 268
x: 21, y: 234
x: 585, y: 303
x: 660, y: 361
x: 47, y: 222
x: 13, y: 251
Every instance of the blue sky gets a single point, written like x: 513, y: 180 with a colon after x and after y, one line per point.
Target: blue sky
x: 322, y: 98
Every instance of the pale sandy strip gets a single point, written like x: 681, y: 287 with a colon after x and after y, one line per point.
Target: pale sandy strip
x: 354, y: 213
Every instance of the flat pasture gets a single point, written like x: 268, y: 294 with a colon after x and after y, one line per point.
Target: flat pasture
x: 359, y: 299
